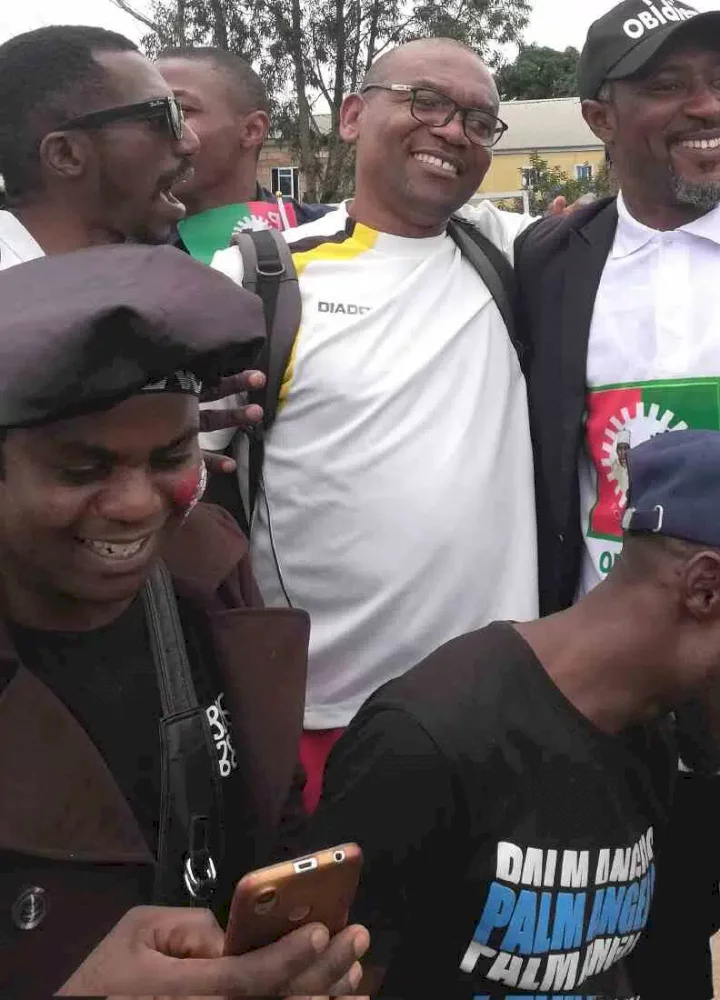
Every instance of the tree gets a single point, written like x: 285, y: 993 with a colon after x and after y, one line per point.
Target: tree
x: 538, y: 73
x: 545, y: 183
x: 312, y: 52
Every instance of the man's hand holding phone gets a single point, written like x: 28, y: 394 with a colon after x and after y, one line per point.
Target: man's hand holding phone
x: 173, y: 952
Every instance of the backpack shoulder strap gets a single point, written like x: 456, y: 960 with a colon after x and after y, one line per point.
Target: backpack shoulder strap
x: 269, y: 272
x: 495, y: 270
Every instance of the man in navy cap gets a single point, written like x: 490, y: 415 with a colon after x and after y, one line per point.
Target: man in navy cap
x: 150, y: 710
x: 511, y: 793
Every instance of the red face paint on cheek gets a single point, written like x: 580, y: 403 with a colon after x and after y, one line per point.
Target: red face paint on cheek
x: 188, y: 491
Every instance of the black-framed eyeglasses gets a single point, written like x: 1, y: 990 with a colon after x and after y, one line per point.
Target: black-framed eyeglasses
x: 430, y: 107
x: 163, y: 109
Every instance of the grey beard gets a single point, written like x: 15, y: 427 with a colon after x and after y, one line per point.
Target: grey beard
x: 704, y: 197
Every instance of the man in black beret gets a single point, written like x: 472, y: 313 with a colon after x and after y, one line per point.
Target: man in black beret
x: 150, y: 710
x: 511, y: 793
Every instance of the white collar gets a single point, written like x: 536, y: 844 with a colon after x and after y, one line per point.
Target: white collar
x: 16, y: 239
x: 633, y: 235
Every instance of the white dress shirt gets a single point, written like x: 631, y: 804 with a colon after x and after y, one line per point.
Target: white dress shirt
x: 653, y: 362
x: 16, y: 244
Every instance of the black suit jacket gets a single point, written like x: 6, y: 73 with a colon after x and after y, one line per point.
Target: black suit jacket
x: 559, y: 262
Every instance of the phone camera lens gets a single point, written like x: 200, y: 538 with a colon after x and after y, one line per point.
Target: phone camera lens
x: 339, y: 856
x: 265, y: 900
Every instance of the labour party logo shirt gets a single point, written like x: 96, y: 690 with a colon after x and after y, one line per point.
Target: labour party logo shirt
x: 653, y: 364
x: 398, y: 502
x: 509, y: 845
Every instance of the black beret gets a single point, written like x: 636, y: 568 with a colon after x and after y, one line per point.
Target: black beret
x: 81, y: 331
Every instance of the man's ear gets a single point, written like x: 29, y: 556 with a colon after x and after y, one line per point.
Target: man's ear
x: 600, y: 116
x: 65, y: 154
x: 351, y: 112
x: 256, y: 126
x: 701, y: 586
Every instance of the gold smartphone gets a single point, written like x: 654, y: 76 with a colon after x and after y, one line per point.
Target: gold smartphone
x: 272, y: 902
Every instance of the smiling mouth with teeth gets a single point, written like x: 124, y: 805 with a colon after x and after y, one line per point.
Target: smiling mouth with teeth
x: 701, y: 143
x: 114, y: 550
x: 436, y: 161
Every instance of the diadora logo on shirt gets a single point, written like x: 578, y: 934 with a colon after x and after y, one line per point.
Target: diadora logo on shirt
x: 344, y: 308
x: 656, y: 15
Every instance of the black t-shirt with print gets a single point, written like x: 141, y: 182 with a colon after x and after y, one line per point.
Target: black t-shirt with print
x: 509, y: 844
x: 106, y: 678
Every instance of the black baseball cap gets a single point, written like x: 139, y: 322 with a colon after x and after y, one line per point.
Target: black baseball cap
x: 619, y: 44
x: 81, y: 331
x: 675, y: 487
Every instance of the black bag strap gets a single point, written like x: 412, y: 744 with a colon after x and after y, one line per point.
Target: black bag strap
x: 190, y: 793
x: 269, y: 271
x: 495, y: 270
x: 177, y: 691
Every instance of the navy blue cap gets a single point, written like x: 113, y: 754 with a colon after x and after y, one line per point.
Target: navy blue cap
x: 675, y: 486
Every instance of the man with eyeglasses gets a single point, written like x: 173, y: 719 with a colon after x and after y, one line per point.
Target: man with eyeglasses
x: 397, y: 504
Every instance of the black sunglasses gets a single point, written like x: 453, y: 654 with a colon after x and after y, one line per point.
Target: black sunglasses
x: 165, y: 109
x: 432, y: 108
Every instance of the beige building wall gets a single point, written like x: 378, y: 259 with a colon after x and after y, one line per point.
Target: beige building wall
x: 505, y: 173
x: 273, y: 155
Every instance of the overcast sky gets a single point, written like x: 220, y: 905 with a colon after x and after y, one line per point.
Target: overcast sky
x: 557, y: 23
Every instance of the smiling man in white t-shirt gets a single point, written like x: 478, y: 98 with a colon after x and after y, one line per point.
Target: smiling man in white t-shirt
x: 398, y: 503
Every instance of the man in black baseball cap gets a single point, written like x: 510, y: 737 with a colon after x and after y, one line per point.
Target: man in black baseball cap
x: 150, y: 710
x: 511, y: 793
x: 624, y: 293
x: 622, y: 42
x: 645, y: 76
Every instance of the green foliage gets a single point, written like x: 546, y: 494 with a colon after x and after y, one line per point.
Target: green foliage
x: 539, y: 73
x: 547, y: 183
x: 604, y: 183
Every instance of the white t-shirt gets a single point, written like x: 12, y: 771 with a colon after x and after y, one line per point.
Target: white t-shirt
x: 653, y: 363
x: 16, y: 244
x: 399, y: 503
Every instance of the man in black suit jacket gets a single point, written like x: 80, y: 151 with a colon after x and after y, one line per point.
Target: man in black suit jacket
x: 625, y: 343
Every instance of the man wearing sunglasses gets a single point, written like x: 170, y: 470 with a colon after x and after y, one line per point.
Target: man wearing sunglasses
x: 397, y: 503
x: 92, y: 142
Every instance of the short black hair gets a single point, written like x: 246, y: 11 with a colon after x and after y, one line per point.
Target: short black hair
x: 46, y: 76
x: 245, y: 84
